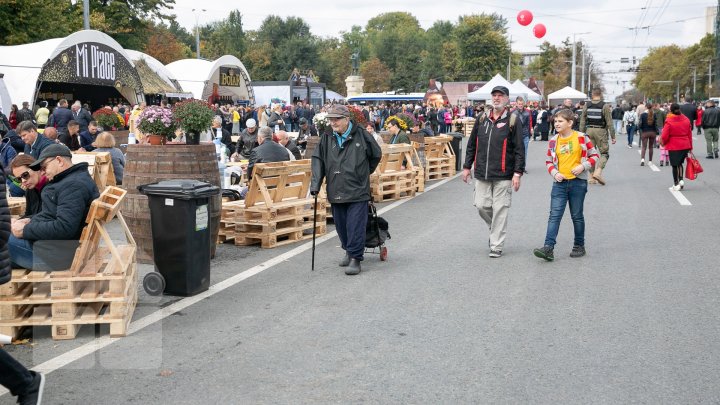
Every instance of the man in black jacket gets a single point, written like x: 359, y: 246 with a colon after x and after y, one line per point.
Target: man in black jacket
x: 267, y: 151
x: 710, y: 124
x: 345, y: 158
x: 81, y: 116
x: 34, y: 143
x: 48, y: 241
x: 689, y: 110
x: 25, y: 384
x: 60, y: 116
x: 25, y: 113
x: 496, y: 149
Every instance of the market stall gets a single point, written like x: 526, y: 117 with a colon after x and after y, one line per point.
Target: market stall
x: 224, y: 80
x: 158, y: 82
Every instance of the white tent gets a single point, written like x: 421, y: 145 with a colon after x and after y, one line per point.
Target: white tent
x: 202, y: 77
x: 567, y: 92
x: 483, y: 93
x: 86, y: 57
x: 159, y: 69
x: 531, y: 95
x: 5, y: 102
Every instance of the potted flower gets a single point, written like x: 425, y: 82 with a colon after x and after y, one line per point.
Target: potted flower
x: 357, y: 116
x: 405, y: 120
x: 107, y: 119
x: 157, y: 123
x: 194, y: 117
x: 321, y: 122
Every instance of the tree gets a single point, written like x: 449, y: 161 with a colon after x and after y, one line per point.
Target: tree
x: 165, y: 47
x: 551, y: 67
x: 287, y: 43
x: 225, y: 37
x: 25, y: 21
x: 397, y: 40
x: 483, y: 49
x: 333, y: 64
x: 376, y: 75
x: 661, y: 64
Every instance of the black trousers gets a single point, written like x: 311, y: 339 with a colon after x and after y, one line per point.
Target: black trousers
x: 350, y: 222
x: 13, y: 375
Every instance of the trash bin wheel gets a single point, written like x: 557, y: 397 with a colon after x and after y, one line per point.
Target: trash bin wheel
x: 383, y: 253
x: 154, y: 283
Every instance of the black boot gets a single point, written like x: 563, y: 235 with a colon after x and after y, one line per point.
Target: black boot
x: 353, y: 267
x: 345, y: 260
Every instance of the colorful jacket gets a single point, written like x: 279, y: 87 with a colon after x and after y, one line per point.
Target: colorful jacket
x: 677, y: 133
x: 588, y: 157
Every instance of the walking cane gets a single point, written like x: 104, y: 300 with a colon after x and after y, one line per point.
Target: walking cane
x: 312, y: 268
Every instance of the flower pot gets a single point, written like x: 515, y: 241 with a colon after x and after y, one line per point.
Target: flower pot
x: 192, y: 139
x: 156, y: 139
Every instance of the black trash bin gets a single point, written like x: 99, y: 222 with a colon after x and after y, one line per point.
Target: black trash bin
x: 180, y: 219
x: 456, y: 145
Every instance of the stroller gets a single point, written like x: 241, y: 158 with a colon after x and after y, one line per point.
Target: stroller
x: 376, y: 232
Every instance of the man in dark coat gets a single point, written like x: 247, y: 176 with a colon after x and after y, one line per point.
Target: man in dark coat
x: 34, y: 143
x: 81, y: 116
x: 267, y: 151
x: 60, y: 116
x: 345, y: 159
x: 25, y: 384
x: 25, y: 114
x: 48, y: 241
x: 689, y: 110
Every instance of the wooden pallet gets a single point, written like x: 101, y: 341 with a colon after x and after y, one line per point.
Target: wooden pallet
x: 99, y: 165
x: 439, y: 157
x: 418, y: 167
x: 16, y: 205
x: 394, y: 178
x: 277, y: 208
x: 99, y: 288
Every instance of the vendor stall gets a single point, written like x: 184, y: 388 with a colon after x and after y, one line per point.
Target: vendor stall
x: 224, y: 80
x: 158, y: 82
x: 88, y: 66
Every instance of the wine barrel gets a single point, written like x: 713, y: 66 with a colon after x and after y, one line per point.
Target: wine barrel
x: 145, y: 164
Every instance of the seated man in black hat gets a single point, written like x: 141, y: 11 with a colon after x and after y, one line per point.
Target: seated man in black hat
x: 306, y: 130
x: 48, y: 241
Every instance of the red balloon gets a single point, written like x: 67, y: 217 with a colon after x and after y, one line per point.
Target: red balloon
x: 524, y: 17
x: 539, y: 30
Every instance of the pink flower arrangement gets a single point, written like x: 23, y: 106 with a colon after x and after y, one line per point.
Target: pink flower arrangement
x: 156, y: 120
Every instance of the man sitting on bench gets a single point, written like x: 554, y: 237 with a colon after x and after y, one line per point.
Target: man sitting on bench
x: 48, y: 241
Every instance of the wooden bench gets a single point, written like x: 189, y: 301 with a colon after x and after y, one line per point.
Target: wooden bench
x: 99, y: 288
x: 277, y: 209
x: 392, y: 181
x: 100, y: 167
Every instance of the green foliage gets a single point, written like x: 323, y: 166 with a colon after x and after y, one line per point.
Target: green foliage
x: 482, y: 46
x: 27, y: 21
x: 225, y: 37
x: 193, y: 116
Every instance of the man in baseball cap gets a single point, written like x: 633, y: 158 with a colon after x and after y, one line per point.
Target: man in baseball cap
x: 247, y: 141
x: 502, y: 89
x: 48, y: 240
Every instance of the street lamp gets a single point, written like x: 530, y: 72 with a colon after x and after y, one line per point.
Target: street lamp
x: 677, y: 94
x: 197, y: 29
x: 574, y: 65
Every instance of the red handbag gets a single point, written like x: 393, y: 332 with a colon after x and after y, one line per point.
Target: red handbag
x: 693, y: 167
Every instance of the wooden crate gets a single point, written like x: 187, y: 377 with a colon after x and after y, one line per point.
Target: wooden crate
x: 394, y: 178
x: 99, y: 165
x: 16, y: 205
x: 439, y: 157
x: 277, y: 209
x: 99, y: 288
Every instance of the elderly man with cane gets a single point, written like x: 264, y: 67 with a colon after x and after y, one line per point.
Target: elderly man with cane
x: 345, y: 158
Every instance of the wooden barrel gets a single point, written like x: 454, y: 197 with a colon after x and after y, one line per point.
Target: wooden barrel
x: 145, y: 164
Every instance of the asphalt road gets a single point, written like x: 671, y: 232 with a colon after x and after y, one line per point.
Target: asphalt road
x: 439, y: 322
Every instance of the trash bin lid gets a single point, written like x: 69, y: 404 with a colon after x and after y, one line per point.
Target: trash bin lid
x: 182, y: 189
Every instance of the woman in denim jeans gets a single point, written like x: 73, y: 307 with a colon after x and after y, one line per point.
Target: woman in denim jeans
x: 570, y: 157
x: 630, y: 119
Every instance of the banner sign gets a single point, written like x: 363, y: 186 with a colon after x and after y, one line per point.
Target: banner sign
x: 230, y: 77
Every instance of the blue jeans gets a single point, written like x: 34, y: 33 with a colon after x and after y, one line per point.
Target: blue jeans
x: 350, y: 222
x: 43, y: 255
x: 630, y: 133
x: 566, y: 192
x: 618, y: 126
x: 526, y: 142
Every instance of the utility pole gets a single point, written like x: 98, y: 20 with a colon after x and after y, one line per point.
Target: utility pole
x: 694, y: 80
x: 710, y: 77
x: 717, y: 38
x: 510, y: 59
x: 197, y: 29
x: 573, y: 82
x: 86, y: 14
x: 582, y: 85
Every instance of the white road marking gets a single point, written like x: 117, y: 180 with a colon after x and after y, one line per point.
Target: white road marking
x: 157, y: 316
x: 680, y: 197
x: 653, y: 167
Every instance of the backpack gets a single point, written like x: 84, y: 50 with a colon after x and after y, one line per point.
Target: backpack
x: 7, y: 154
x: 631, y: 118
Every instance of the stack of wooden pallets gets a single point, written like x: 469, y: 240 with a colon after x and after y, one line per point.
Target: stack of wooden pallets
x: 392, y: 181
x: 439, y: 157
x: 99, y: 288
x: 277, y: 209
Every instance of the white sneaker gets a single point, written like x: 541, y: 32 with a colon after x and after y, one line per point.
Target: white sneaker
x: 642, y: 162
x: 675, y: 188
x: 682, y: 183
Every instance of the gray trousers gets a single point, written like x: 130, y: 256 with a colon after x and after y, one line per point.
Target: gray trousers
x: 711, y: 140
x: 492, y: 200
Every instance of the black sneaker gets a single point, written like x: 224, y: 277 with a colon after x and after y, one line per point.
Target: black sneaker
x: 709, y: 157
x: 353, y: 268
x: 577, y: 251
x: 345, y: 260
x: 33, y: 396
x: 716, y: 154
x: 545, y: 252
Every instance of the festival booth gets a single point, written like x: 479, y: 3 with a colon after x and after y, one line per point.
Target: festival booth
x: 531, y: 95
x: 87, y: 65
x: 568, y: 92
x: 484, y: 93
x: 158, y: 82
x: 300, y: 86
x: 224, y: 80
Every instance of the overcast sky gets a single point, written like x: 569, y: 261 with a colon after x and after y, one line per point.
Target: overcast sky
x: 608, y: 25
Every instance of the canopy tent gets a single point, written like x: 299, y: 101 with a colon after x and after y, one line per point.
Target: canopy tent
x: 156, y: 78
x: 531, y: 95
x: 87, y: 65
x: 332, y: 95
x: 5, y: 102
x: 223, y: 79
x: 566, y: 92
x: 483, y: 93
